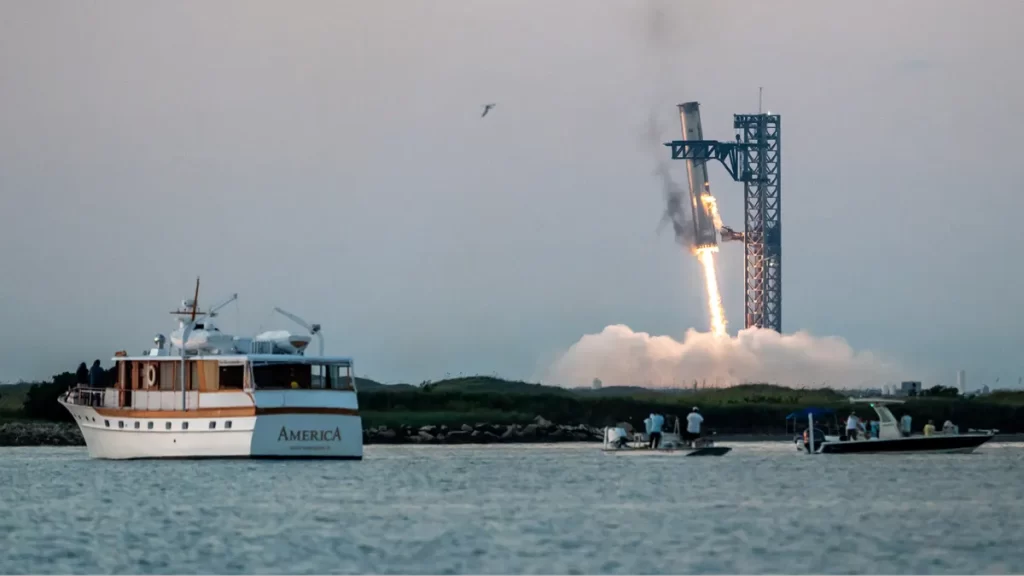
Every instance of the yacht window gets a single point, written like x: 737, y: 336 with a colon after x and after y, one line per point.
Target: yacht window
x: 280, y: 376
x: 184, y: 425
x: 318, y: 378
x: 341, y: 377
x: 227, y: 424
x: 232, y: 377
x: 120, y: 423
x: 149, y: 425
x: 167, y: 426
x: 136, y: 424
x: 213, y: 425
x: 106, y: 423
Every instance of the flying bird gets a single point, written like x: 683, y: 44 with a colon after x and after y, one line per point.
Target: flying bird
x: 487, y: 108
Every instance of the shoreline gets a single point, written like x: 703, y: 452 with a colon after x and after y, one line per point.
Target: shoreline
x: 43, y: 433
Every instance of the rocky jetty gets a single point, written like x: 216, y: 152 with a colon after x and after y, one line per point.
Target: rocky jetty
x: 541, y: 430
x: 37, y: 433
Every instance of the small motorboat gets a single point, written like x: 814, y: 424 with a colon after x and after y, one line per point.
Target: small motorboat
x: 617, y: 440
x: 889, y: 438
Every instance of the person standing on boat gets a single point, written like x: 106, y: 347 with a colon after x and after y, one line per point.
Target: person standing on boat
x: 657, y: 421
x: 905, y: 424
x: 851, y: 426
x: 96, y: 381
x: 82, y: 375
x: 693, y: 422
x: 96, y: 375
x: 82, y: 379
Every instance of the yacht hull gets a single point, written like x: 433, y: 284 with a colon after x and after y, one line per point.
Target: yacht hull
x: 127, y: 434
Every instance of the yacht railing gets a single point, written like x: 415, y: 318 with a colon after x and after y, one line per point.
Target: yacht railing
x: 130, y: 399
x: 257, y: 347
x: 97, y: 397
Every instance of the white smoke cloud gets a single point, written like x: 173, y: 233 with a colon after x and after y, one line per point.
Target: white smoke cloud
x: 619, y: 356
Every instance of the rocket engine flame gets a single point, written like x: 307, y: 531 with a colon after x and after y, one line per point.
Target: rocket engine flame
x: 706, y: 255
x: 712, y: 206
x: 707, y: 261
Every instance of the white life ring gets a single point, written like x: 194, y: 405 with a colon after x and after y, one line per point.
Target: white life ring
x: 150, y: 375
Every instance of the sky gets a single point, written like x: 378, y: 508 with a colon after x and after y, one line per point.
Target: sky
x: 330, y: 158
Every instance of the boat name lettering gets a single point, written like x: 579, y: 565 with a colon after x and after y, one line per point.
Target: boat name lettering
x: 309, y: 435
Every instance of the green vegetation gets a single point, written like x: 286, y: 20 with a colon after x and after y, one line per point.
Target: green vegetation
x: 753, y: 408
x: 12, y: 398
x: 397, y: 419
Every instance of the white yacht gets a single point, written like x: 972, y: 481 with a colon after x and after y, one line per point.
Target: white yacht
x: 208, y: 394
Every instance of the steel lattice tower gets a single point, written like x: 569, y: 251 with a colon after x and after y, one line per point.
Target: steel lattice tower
x: 754, y: 159
x: 761, y: 173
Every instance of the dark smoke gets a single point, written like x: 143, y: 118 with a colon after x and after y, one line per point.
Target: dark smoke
x: 677, y: 207
x: 677, y: 200
x: 678, y: 212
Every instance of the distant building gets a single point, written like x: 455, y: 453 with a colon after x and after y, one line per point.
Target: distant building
x: 984, y: 389
x: 910, y: 388
x: 961, y: 381
x: 596, y: 384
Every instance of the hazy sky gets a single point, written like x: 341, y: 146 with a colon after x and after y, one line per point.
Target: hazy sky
x: 329, y: 158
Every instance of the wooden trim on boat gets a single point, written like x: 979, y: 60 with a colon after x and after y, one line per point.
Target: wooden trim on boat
x: 307, y: 410
x: 231, y: 412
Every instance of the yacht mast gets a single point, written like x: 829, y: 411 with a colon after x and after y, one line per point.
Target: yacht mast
x: 185, y: 331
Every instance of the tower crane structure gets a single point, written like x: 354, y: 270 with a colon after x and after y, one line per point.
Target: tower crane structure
x: 755, y: 160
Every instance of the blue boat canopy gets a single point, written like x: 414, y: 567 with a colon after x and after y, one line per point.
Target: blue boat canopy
x: 814, y: 411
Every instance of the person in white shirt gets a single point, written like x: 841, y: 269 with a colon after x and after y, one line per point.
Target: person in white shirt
x: 693, y: 422
x: 851, y: 426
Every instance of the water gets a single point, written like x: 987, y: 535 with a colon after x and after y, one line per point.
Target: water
x: 512, y: 509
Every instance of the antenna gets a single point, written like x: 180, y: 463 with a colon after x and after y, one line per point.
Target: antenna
x: 213, y: 311
x: 760, y: 92
x: 195, y: 302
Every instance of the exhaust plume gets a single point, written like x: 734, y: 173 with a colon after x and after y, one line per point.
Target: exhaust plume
x: 621, y: 357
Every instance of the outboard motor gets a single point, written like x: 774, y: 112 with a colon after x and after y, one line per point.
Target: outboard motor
x: 802, y: 441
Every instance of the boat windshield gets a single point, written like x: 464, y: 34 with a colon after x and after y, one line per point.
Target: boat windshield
x: 884, y: 415
x: 285, y: 376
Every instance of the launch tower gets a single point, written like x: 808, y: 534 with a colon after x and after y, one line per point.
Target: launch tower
x: 754, y: 159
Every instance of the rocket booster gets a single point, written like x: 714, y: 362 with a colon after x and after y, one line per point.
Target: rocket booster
x: 705, y: 233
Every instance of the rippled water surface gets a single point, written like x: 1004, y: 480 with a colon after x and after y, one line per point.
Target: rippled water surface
x: 511, y: 509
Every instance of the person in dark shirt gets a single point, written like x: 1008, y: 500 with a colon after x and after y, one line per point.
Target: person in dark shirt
x: 82, y: 375
x: 96, y: 375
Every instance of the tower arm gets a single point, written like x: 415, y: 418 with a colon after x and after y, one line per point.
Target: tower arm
x: 728, y: 153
